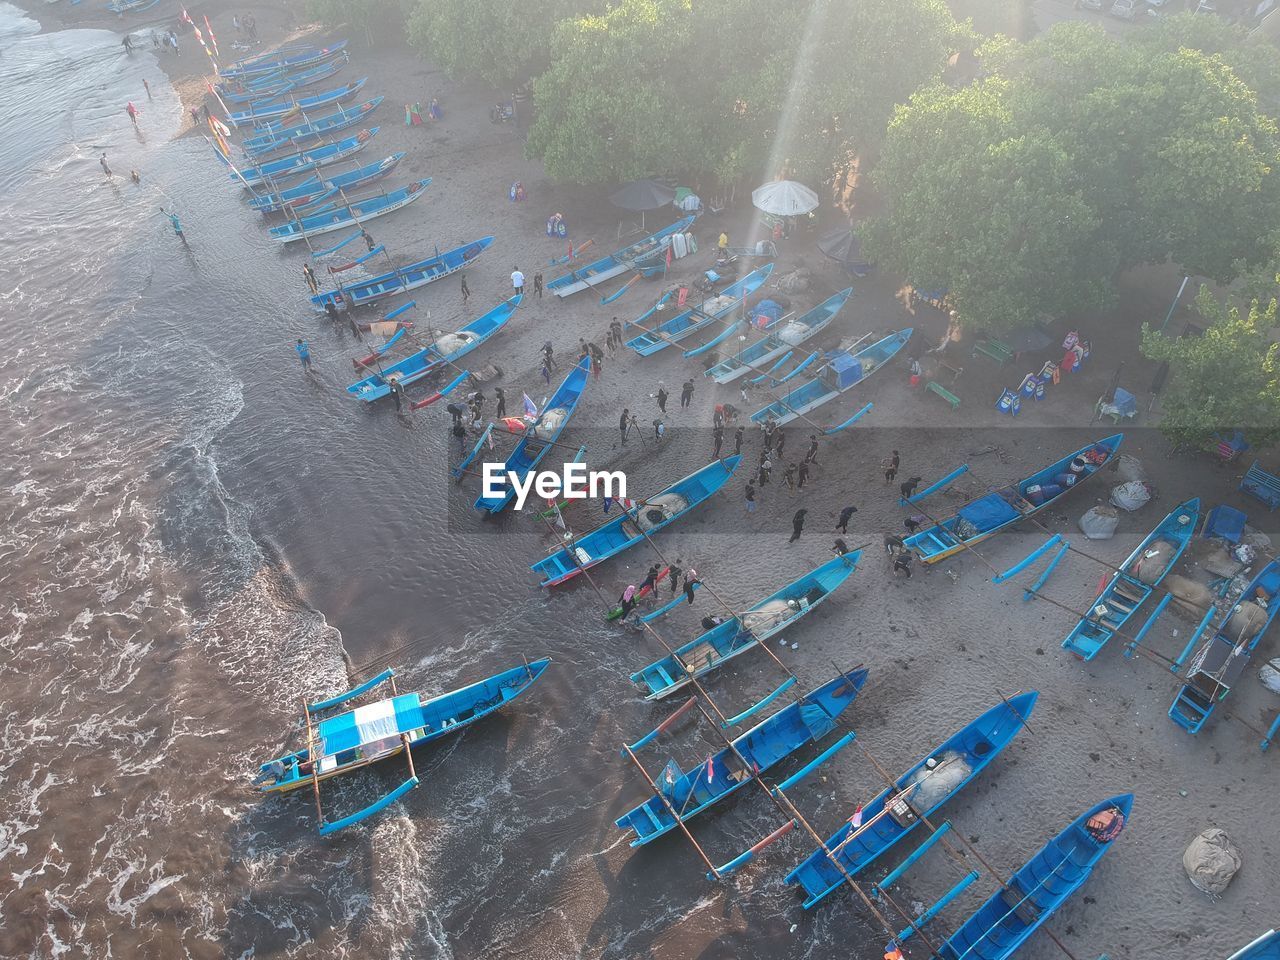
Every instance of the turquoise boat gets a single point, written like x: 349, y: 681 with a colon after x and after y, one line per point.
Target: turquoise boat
x: 616, y: 263
x: 283, y: 82
x: 447, y: 349
x: 1224, y: 657
x: 260, y: 111
x: 539, y: 437
x: 303, y: 161
x: 295, y: 136
x: 410, y: 277
x: 755, y: 358
x: 989, y: 514
x: 896, y: 811
x: 315, y: 189
x: 765, y: 745
x: 762, y: 620
x: 352, y: 213
x: 632, y: 525
x: 1136, y: 579
x: 291, y: 57
x: 694, y: 318
x: 1266, y: 947
x: 838, y: 375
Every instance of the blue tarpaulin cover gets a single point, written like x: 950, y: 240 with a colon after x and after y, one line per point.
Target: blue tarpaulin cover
x: 848, y: 370
x: 989, y: 512
x: 1225, y: 522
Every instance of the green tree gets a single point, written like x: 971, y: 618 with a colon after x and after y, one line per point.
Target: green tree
x: 1227, y: 378
x: 379, y: 19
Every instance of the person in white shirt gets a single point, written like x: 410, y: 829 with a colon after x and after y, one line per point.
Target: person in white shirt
x: 517, y: 280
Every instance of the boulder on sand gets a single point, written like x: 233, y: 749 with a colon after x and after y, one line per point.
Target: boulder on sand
x: 1211, y: 860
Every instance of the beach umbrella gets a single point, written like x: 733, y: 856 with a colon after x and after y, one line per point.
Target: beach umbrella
x: 1028, y: 340
x: 784, y: 198
x: 642, y: 195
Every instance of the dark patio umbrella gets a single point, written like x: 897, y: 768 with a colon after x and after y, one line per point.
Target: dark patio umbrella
x: 843, y: 246
x: 642, y: 195
x: 1027, y: 340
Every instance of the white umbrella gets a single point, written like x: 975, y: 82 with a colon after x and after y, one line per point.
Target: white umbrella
x: 784, y: 198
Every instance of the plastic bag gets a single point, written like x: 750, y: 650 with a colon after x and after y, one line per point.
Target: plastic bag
x: 1130, y: 496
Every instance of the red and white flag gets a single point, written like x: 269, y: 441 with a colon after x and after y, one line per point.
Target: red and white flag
x: 856, y: 820
x: 711, y: 768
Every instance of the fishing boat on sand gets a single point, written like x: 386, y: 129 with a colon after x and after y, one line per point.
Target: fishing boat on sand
x: 618, y: 262
x: 447, y: 348
x: 282, y: 82
x: 1223, y: 658
x: 303, y: 161
x: 684, y: 795
x: 260, y: 111
x: 350, y: 214
x: 403, y: 278
x: 1000, y: 926
x: 838, y: 375
x: 285, y: 58
x: 539, y: 437
x: 897, y: 810
x: 341, y: 743
x: 777, y: 342
x: 295, y: 136
x: 1137, y: 578
x: 315, y: 189
x: 633, y: 525
x: 1266, y: 947
x: 992, y: 512
x: 745, y: 631
x: 696, y: 317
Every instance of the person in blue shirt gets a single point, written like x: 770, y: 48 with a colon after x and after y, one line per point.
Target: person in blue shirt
x: 304, y: 354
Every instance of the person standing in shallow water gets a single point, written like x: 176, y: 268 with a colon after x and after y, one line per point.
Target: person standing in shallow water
x: 310, y: 274
x: 304, y: 354
x: 102, y: 160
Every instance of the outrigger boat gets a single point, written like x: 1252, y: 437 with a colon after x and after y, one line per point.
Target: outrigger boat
x: 896, y: 811
x: 776, y: 343
x: 356, y: 738
x: 285, y: 58
x: 302, y: 162
x: 681, y: 795
x: 1223, y: 658
x: 1136, y: 579
x: 618, y: 262
x: 635, y: 524
x: 283, y: 82
x: 351, y: 213
x: 989, y: 514
x: 273, y: 109
x: 315, y: 189
x: 403, y: 278
x: 448, y: 348
x: 694, y: 318
x: 297, y: 135
x: 1044, y: 883
x: 539, y: 437
x: 745, y: 631
x: 1266, y: 947
x: 838, y: 375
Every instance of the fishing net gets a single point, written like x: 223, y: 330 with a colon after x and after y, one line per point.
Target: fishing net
x: 1155, y: 560
x: 1249, y: 617
x: 939, y: 783
x: 716, y: 304
x: 450, y: 343
x: 660, y: 509
x: 793, y: 333
x: 767, y: 617
x: 550, y: 423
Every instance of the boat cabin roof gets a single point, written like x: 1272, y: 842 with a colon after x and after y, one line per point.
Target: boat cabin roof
x: 369, y: 724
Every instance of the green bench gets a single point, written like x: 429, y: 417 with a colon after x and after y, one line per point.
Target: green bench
x: 1000, y: 352
x: 943, y: 392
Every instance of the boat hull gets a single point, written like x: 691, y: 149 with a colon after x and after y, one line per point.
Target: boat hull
x: 617, y: 263
x: 406, y: 278
x: 755, y: 359
x: 351, y: 215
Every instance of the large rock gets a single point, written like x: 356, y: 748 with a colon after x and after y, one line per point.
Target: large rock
x: 1211, y: 860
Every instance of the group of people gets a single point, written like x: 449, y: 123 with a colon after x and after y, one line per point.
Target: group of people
x: 246, y: 26
x: 632, y: 595
x: 517, y: 283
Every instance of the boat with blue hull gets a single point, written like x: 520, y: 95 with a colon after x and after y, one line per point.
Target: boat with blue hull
x: 539, y: 437
x: 263, y: 111
x: 755, y: 358
x: 838, y: 375
x: 688, y: 793
x: 745, y: 631
x: 1224, y: 657
x: 300, y: 134
x: 447, y: 349
x: 409, y: 277
x: 1134, y: 581
x: 616, y: 263
x: 989, y: 514
x: 633, y: 525
x: 284, y: 82
x: 1004, y: 923
x: 315, y: 189
x: 343, y: 742
x: 1266, y: 947
x: 303, y: 161
x: 694, y: 318
x: 350, y: 214
x: 285, y: 58
x: 896, y: 811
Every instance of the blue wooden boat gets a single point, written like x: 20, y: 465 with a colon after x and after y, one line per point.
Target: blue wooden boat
x: 285, y: 58
x: 314, y: 188
x: 266, y: 110
x: 696, y: 317
x: 618, y: 262
x: 341, y: 743
x: 404, y: 278
x: 630, y: 527
x: 1136, y: 579
x: 769, y: 742
x: 449, y: 348
x: 1002, y: 924
x: 989, y: 514
x: 304, y: 161
x: 1223, y: 658
x: 353, y: 212
x: 838, y: 375
x: 745, y: 631
x: 293, y: 137
x: 896, y: 811
x: 755, y: 358
x: 539, y: 437
x: 121, y: 7
x: 1266, y: 947
x: 283, y: 82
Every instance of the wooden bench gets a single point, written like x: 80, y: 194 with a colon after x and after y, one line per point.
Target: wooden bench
x: 1001, y: 353
x: 943, y: 392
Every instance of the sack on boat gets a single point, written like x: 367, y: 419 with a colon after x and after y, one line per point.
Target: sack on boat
x: 660, y: 509
x: 939, y: 783
x: 1100, y: 522
x: 793, y: 333
x: 550, y: 422
x: 715, y: 305
x: 1270, y: 675
x: 1190, y: 598
x: 1246, y: 620
x: 1154, y: 561
x: 767, y: 617
x: 1211, y: 860
x: 1130, y: 496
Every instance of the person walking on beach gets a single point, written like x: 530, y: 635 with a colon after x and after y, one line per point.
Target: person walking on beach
x: 369, y: 242
x: 397, y: 393
x: 597, y: 365
x: 466, y: 293
x: 173, y: 42
x: 686, y: 394
x: 812, y: 455
x: 312, y: 282
x: 902, y: 564
x: 624, y: 421
x: 537, y: 284
x: 765, y: 466
x: 517, y: 281
x: 890, y: 465
x: 546, y: 373
x: 549, y: 356
x: 662, y: 397
x: 105, y: 169
x: 628, y: 600
x: 842, y: 525
x: 789, y: 476
x: 894, y: 544
x: 616, y: 326
x: 500, y: 397
x: 690, y: 581
x: 908, y: 487
x: 750, y: 494
x: 797, y: 525
x: 147, y: 87
x: 779, y: 440
x: 718, y: 436
x: 650, y: 581
x: 912, y: 524
x: 674, y: 573
x: 304, y: 354
x: 802, y: 475
x: 839, y: 548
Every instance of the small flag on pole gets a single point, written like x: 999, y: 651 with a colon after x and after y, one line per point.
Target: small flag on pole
x: 668, y: 255
x: 530, y: 410
x: 856, y: 820
x: 711, y: 768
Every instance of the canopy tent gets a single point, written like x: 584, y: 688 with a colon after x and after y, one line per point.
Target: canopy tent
x: 784, y: 198
x: 843, y: 246
x: 642, y: 195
